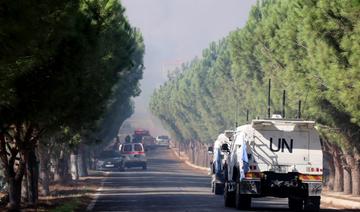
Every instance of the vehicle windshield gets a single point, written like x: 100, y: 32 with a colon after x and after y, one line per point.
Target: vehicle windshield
x: 163, y: 137
x: 138, y: 147
x: 127, y: 148
x: 109, y: 154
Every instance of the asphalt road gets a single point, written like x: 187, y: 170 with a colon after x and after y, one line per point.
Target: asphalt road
x: 167, y: 185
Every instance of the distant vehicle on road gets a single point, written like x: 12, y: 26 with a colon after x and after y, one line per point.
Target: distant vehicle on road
x: 110, y: 160
x: 139, y: 134
x: 163, y: 140
x: 134, y: 155
x: 148, y: 142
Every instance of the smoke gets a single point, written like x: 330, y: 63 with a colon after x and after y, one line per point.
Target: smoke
x: 176, y: 31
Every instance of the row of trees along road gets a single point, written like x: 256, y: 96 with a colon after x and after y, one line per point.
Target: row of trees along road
x: 67, y: 72
x: 311, y: 49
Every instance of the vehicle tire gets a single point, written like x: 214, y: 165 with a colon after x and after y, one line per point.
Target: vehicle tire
x: 229, y: 197
x: 218, y: 188
x: 225, y: 171
x: 242, y: 201
x: 312, y: 204
x: 295, y: 204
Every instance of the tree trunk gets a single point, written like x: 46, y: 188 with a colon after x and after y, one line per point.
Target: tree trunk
x: 44, y: 170
x: 81, y: 162
x: 85, y: 164
x: 32, y: 170
x: 331, y: 181
x: 339, y: 175
x: 347, y: 181
x: 24, y: 188
x: 57, y: 170
x: 355, y: 173
x: 74, y: 169
x: 14, y: 183
x: 347, y: 174
x: 62, y: 169
x: 179, y: 146
x: 192, y: 149
x: 91, y: 160
x: 14, y: 193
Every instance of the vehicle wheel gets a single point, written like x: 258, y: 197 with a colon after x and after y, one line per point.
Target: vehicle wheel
x: 312, y: 204
x: 212, y: 187
x: 229, y: 197
x: 242, y: 201
x: 225, y: 171
x: 295, y: 204
x: 218, y: 188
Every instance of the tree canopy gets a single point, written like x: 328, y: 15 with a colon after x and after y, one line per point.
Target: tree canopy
x: 62, y: 67
x: 70, y: 66
x: 308, y: 48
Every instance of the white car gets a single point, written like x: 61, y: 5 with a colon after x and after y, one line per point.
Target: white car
x: 163, y: 140
x: 134, y: 155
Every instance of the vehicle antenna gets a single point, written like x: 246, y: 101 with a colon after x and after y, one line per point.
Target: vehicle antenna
x: 283, y: 104
x: 247, y: 115
x: 236, y: 113
x: 268, y: 107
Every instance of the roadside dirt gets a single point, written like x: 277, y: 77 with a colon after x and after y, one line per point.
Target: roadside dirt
x: 67, y: 197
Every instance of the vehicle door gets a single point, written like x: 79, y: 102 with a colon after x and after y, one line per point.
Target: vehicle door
x: 139, y: 154
x: 127, y: 151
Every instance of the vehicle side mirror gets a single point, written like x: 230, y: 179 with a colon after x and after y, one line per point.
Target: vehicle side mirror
x: 210, y: 150
x: 225, y: 148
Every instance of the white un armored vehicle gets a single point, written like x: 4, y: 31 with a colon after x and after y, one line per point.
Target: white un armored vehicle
x: 275, y: 157
x: 218, y: 163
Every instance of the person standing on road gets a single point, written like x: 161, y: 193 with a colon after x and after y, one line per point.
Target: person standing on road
x: 128, y: 139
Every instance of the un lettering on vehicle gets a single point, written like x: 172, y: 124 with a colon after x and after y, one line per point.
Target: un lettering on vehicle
x: 273, y: 147
x: 282, y: 144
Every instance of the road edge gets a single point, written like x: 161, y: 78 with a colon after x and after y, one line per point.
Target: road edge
x: 186, y: 160
x: 92, y: 204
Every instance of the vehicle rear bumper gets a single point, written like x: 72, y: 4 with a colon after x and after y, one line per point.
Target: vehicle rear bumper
x: 280, y: 185
x: 250, y: 187
x: 116, y: 168
x: 135, y: 163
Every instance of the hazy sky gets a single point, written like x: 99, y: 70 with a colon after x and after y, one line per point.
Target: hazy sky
x: 176, y: 31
